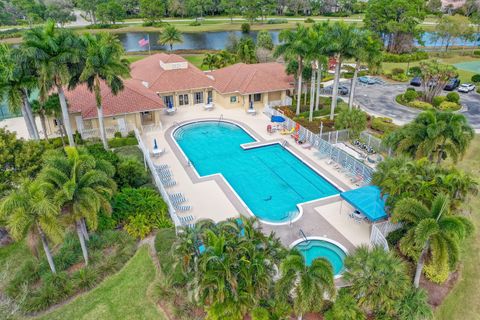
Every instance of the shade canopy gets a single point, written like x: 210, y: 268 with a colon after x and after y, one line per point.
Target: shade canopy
x: 278, y: 119
x: 368, y: 200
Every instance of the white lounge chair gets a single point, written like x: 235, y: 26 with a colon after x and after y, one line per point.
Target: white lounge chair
x: 251, y: 111
x: 208, y: 106
x: 156, y: 152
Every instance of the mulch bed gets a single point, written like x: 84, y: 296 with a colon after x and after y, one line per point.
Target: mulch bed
x: 438, y: 292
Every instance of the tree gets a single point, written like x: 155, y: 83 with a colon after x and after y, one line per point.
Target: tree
x: 414, y: 305
x: 434, y: 78
x: 104, y: 64
x: 435, y: 135
x: 152, y: 10
x: 305, y: 285
x: 60, y: 11
x: 345, y: 308
x: 90, y: 7
x: 246, y: 50
x: 341, y: 44
x: 258, y: 8
x: 210, y: 61
x: 453, y: 27
x: 170, y: 35
x: 83, y: 186
x: 110, y: 12
x: 264, y: 40
x: 230, y: 7
x: 198, y: 7
x: 396, y: 21
x: 56, y: 54
x: 378, y: 279
x: 294, y: 46
x: 355, y: 120
x: 434, y: 235
x: 225, y: 58
x: 17, y: 79
x: 31, y: 211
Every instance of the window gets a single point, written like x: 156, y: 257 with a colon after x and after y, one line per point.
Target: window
x: 198, y: 97
x: 183, y: 99
x: 257, y: 97
x: 233, y: 99
x: 168, y: 101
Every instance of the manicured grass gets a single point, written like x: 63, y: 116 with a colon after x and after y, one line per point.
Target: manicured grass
x: 196, y: 60
x: 12, y: 258
x: 121, y: 296
x: 129, y: 152
x: 463, y: 301
x: 135, y: 57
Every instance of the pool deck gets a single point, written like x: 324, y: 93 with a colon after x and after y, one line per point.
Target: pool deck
x: 211, y: 197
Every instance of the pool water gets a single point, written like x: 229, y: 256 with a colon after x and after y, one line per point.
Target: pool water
x: 313, y: 249
x: 270, y: 180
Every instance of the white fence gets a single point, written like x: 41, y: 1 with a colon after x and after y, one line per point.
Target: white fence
x: 375, y: 143
x: 380, y: 231
x: 278, y: 103
x: 156, y: 178
x: 109, y: 131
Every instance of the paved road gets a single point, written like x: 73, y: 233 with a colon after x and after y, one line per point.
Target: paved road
x: 380, y: 100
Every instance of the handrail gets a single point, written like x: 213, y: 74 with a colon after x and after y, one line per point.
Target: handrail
x: 303, y: 235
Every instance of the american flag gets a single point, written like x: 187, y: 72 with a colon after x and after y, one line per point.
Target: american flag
x: 143, y: 42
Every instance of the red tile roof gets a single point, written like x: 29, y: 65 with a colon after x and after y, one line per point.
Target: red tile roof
x: 160, y: 80
x: 252, y: 78
x: 133, y: 98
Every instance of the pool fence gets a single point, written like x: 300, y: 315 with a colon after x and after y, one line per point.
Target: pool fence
x: 380, y: 231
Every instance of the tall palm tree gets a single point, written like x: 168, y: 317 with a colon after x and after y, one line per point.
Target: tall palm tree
x: 84, y: 186
x: 30, y: 211
x: 293, y: 45
x: 318, y: 52
x: 434, y: 236
x: 345, y: 308
x: 17, y: 79
x: 170, y: 35
x: 210, y: 61
x: 341, y: 44
x: 225, y: 58
x: 368, y: 51
x: 378, y: 279
x: 57, y: 56
x: 246, y: 50
x: 104, y: 65
x: 433, y: 134
x: 305, y: 285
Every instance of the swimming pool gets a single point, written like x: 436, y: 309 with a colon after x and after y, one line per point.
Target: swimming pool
x: 312, y: 249
x: 270, y: 180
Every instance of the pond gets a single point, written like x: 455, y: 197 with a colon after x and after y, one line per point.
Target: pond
x: 219, y: 40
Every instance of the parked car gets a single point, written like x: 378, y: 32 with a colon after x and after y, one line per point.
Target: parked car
x: 452, y: 84
x: 466, y: 87
x: 367, y: 80
x: 416, y: 82
x: 343, y: 90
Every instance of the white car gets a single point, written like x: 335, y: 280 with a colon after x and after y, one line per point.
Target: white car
x: 466, y: 87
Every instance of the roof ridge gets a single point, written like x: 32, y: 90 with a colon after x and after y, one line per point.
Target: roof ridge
x: 231, y: 78
x: 143, y: 95
x: 250, y: 80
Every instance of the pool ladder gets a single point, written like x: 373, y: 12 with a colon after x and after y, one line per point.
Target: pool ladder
x: 284, y: 143
x: 302, y: 234
x: 220, y: 119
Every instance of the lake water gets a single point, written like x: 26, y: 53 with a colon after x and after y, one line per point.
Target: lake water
x: 219, y: 40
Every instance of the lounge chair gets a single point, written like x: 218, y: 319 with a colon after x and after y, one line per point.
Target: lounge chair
x: 251, y: 111
x: 208, y: 106
x: 183, y: 208
x: 287, y: 132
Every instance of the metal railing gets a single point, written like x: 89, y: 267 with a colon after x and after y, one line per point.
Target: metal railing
x: 156, y: 178
x: 378, y: 239
x: 109, y: 131
x: 375, y: 143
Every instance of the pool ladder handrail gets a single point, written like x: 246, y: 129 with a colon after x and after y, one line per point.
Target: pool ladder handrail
x: 300, y: 231
x: 284, y: 143
x: 220, y: 118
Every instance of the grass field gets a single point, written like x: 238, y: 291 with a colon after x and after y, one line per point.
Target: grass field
x: 121, y: 296
x: 196, y: 60
x: 12, y: 258
x: 463, y: 303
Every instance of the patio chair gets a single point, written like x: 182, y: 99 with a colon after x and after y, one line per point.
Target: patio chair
x: 183, y: 208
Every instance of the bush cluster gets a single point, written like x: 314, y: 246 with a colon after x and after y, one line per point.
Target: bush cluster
x: 277, y: 21
x: 104, y: 26
x: 420, y: 105
x: 383, y: 124
x: 453, y: 97
x: 309, y: 20
x: 245, y: 27
x: 195, y: 24
x: 476, y: 52
x: 405, y: 57
x: 122, y: 142
x: 449, y: 106
x: 414, y: 71
x: 476, y: 78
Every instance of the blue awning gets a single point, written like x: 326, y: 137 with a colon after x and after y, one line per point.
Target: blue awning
x: 277, y: 119
x: 368, y: 200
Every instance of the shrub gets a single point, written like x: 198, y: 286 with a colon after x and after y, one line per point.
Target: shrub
x: 117, y: 134
x: 105, y: 222
x: 245, y: 27
x: 401, y: 77
x: 104, y: 26
x: 195, y: 24
x: 476, y: 78
x: 405, y: 57
x: 121, y: 142
x: 435, y: 274
x: 394, y: 237
x: 420, y: 105
x: 409, y: 96
x: 355, y: 120
x: 476, y: 52
x: 383, y: 125
x: 438, y: 100
x: 85, y: 278
x: 453, y: 97
x: 98, y: 152
x: 138, y: 226
x: 276, y: 21
x: 414, y: 71
x: 131, y: 173
x: 449, y: 106
x: 309, y: 20
x: 396, y: 71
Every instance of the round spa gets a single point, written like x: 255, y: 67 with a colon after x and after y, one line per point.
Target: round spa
x: 313, y: 248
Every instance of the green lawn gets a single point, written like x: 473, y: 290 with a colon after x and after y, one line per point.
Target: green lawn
x: 134, y: 57
x: 129, y: 152
x: 196, y: 60
x: 464, y: 300
x: 121, y: 296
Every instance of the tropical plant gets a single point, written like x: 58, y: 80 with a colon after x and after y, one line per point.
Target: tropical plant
x: 345, y: 308
x: 104, y: 67
x: 56, y: 53
x: 17, y: 80
x: 378, y: 279
x: 83, y: 187
x: 293, y: 46
x: 414, y: 306
x: 341, y: 44
x: 355, y: 120
x: 170, y: 35
x: 210, y: 61
x: 305, y: 284
x: 31, y: 211
x: 434, y: 77
x: 433, y: 134
x: 246, y: 50
x: 131, y: 174
x: 434, y: 236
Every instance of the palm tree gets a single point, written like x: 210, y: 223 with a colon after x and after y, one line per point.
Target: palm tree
x: 57, y: 57
x: 345, y: 308
x: 16, y: 81
x: 306, y: 285
x: 433, y: 134
x: 225, y: 58
x: 104, y: 64
x: 317, y: 53
x: 341, y: 44
x: 210, y: 61
x: 294, y: 46
x: 414, y: 306
x: 378, y: 279
x: 246, y: 50
x: 84, y: 186
x: 434, y: 236
x: 368, y: 51
x: 170, y: 35
x: 30, y: 211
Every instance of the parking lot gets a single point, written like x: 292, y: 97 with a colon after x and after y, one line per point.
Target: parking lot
x: 379, y: 99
